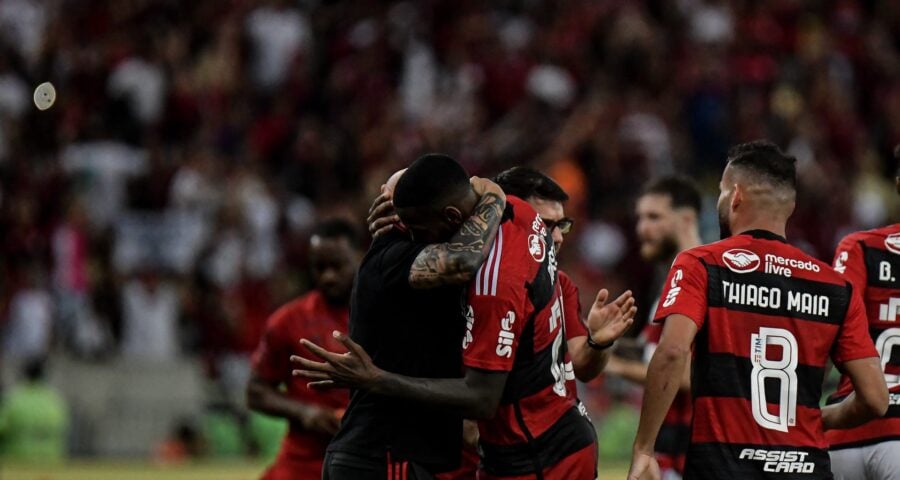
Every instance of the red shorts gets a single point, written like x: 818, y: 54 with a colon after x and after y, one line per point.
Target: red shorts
x: 285, y: 469
x: 581, y: 465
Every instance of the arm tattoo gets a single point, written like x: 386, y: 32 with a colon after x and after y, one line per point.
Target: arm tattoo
x: 457, y: 260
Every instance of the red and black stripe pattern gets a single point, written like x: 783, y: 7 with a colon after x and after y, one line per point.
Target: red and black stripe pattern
x: 870, y: 260
x: 769, y: 317
x: 518, y: 326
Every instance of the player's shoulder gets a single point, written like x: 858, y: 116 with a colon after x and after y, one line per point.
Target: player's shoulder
x: 883, y: 238
x: 299, y: 307
x: 704, y: 253
x: 522, y: 235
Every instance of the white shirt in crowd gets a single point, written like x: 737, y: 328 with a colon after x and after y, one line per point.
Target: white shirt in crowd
x: 149, y: 321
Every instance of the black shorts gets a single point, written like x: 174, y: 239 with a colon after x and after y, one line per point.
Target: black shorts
x: 346, y: 466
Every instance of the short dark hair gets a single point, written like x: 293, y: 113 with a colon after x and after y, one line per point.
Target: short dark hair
x: 336, y: 228
x: 764, y: 159
x: 526, y: 182
x: 433, y: 180
x: 682, y: 191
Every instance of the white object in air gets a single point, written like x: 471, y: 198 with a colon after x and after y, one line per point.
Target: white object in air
x: 44, y: 96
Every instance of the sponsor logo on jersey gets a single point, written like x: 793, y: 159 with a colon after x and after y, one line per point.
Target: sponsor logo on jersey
x: 538, y: 226
x: 779, y: 461
x: 887, y: 312
x: 470, y: 322
x: 892, y: 243
x: 506, y: 336
x: 840, y: 263
x: 674, y: 289
x: 782, y: 265
x: 537, y: 247
x: 739, y: 260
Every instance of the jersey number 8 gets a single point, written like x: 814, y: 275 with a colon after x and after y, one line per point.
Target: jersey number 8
x: 784, y: 370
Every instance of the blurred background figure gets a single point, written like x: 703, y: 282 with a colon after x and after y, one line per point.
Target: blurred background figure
x: 34, y: 419
x: 162, y: 207
x: 667, y: 223
x: 313, y: 416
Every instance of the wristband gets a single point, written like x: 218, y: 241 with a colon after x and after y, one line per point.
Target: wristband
x: 599, y: 347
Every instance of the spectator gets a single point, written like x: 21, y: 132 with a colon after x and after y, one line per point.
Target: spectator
x: 34, y: 420
x: 150, y: 311
x: 30, y: 325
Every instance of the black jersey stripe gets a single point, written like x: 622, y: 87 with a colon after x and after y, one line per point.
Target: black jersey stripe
x: 722, y: 280
x: 715, y: 461
x: 529, y: 376
x: 726, y: 375
x: 882, y: 267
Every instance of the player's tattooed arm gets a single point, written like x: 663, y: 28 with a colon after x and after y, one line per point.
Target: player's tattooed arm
x: 457, y: 260
x: 474, y: 396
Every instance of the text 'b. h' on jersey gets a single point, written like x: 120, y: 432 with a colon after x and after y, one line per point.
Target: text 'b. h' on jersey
x: 870, y: 260
x: 516, y: 323
x: 769, y: 317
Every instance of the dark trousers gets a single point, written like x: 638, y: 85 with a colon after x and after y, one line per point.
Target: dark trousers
x: 346, y: 466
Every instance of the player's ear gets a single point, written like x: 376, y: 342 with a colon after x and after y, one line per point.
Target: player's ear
x: 453, y: 215
x: 737, y: 197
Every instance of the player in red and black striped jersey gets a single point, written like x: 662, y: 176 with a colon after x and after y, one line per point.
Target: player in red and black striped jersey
x: 763, y: 318
x: 516, y: 357
x: 668, y: 213
x: 587, y: 358
x: 870, y: 260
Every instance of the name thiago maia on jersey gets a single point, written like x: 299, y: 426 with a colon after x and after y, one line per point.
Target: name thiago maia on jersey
x: 772, y: 297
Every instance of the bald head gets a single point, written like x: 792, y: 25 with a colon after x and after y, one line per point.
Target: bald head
x: 758, y: 188
x: 391, y: 183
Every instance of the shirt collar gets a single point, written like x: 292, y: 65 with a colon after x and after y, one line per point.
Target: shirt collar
x: 765, y: 235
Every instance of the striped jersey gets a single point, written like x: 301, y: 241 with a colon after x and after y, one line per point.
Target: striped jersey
x: 675, y: 435
x: 572, y: 322
x: 871, y: 262
x: 516, y: 325
x: 769, y: 317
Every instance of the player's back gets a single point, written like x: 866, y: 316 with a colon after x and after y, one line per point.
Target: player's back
x: 771, y: 321
x: 870, y: 260
x: 412, y: 332
x: 518, y: 327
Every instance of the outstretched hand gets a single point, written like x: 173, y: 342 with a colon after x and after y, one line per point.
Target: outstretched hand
x: 353, y: 369
x: 608, y: 321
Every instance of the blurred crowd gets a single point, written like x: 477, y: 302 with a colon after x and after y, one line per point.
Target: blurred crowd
x: 160, y: 208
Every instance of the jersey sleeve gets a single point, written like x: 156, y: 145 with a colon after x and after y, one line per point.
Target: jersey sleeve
x: 572, y: 313
x: 684, y: 291
x: 271, y: 361
x: 849, y: 262
x: 853, y: 340
x: 499, y: 312
x: 397, y: 257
